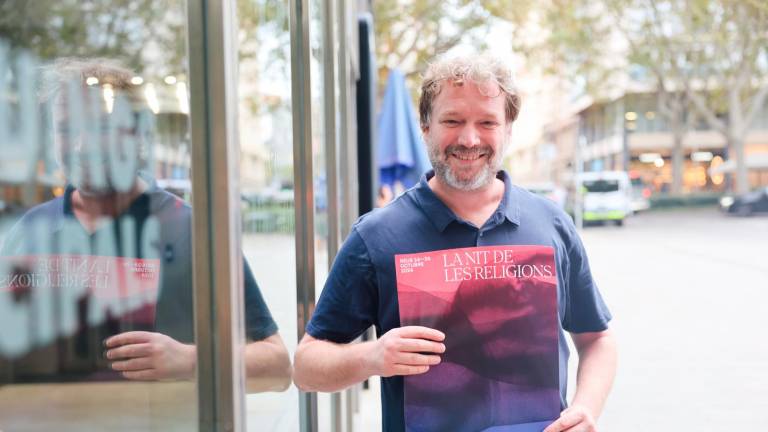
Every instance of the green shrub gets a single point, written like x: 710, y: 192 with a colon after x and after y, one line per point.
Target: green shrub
x: 699, y: 199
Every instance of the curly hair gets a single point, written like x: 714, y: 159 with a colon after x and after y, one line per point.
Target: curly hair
x: 97, y: 74
x: 481, y: 68
x: 107, y: 72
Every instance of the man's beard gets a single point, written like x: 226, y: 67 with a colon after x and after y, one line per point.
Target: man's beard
x: 446, y: 174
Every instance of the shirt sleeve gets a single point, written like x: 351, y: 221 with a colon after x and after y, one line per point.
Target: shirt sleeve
x: 17, y: 240
x: 348, y: 303
x: 258, y: 320
x: 585, y: 309
x: 10, y: 245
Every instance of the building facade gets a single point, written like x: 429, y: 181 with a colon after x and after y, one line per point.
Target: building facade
x: 629, y: 133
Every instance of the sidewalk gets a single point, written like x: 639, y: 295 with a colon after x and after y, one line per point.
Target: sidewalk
x: 368, y: 418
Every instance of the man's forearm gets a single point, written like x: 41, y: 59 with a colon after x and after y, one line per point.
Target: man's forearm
x: 597, y: 368
x: 329, y: 367
x: 267, y: 365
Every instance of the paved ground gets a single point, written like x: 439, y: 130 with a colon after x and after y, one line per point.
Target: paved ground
x: 688, y: 292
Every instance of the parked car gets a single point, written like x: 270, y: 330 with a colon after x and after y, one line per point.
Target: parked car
x: 746, y: 204
x: 641, y: 194
x: 606, y: 196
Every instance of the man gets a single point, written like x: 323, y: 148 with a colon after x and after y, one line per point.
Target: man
x: 115, y: 249
x: 485, y: 344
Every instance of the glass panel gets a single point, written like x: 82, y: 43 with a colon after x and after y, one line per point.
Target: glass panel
x: 319, y: 171
x: 317, y: 76
x: 96, y: 302
x: 267, y: 190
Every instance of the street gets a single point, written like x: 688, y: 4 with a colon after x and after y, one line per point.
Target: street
x: 688, y: 291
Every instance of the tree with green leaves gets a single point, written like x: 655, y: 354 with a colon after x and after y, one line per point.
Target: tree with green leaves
x: 707, y: 56
x: 264, y: 48
x: 656, y: 48
x: 409, y: 33
x: 728, y: 60
x: 119, y: 29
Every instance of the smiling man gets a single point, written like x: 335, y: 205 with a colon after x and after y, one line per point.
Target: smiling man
x: 478, y: 341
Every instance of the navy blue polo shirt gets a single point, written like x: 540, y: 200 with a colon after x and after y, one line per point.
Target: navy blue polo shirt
x: 156, y: 225
x: 361, y: 289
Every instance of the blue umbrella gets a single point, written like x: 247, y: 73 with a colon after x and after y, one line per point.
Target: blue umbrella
x: 402, y: 156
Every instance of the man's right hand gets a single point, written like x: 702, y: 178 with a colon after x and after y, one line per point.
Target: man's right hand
x: 406, y: 351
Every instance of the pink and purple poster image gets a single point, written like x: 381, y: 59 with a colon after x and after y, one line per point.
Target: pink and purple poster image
x: 497, y: 306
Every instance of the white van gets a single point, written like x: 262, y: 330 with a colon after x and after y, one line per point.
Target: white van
x: 605, y: 196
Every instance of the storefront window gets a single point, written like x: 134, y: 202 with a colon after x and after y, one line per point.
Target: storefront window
x: 96, y: 297
x: 319, y: 170
x: 106, y: 118
x: 266, y: 181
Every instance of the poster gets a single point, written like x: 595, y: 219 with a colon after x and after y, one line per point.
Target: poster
x: 69, y: 296
x: 497, y: 306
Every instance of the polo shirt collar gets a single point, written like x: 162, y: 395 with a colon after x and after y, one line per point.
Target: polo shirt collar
x: 139, y: 208
x: 510, y: 203
x: 441, y: 216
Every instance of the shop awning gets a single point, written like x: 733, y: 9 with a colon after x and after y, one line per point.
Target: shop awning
x: 757, y: 161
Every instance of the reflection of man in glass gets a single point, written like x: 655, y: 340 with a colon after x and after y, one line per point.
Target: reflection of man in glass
x: 114, y: 252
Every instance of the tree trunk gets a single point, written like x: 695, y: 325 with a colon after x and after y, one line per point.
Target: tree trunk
x: 742, y: 174
x: 678, y: 155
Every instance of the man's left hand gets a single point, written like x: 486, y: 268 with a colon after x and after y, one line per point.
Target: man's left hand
x: 573, y: 419
x: 151, y: 356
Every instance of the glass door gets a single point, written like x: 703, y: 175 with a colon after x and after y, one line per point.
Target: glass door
x: 96, y: 292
